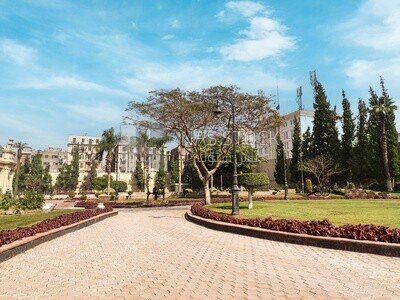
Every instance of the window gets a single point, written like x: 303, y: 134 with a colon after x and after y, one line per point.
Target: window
x: 83, y: 140
x: 74, y: 140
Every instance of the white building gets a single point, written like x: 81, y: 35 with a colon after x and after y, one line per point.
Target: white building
x: 7, y: 166
x: 266, y: 143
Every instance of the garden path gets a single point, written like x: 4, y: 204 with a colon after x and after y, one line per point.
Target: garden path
x: 157, y: 254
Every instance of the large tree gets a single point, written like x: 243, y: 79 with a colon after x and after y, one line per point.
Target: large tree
x: 67, y: 179
x: 325, y: 134
x: 347, y: 141
x: 106, y: 147
x: 34, y: 177
x: 20, y: 147
x: 144, y: 143
x: 190, y: 114
x: 383, y: 137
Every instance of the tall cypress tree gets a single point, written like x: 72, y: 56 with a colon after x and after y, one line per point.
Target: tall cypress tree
x: 307, y: 144
x: 347, y: 139
x: 296, y: 144
x: 325, y: 134
x: 391, y: 132
x: 279, y: 172
x: 360, y: 154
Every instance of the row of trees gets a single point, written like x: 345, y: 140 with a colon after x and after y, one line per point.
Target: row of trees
x: 367, y: 150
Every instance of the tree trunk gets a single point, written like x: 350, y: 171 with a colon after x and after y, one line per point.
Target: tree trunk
x: 250, y: 197
x: 16, y: 181
x: 383, y: 138
x: 206, y: 188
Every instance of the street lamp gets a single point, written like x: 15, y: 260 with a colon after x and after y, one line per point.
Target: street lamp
x: 285, y: 173
x: 235, y: 189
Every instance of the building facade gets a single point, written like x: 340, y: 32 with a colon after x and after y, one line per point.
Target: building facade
x: 266, y: 143
x: 7, y: 166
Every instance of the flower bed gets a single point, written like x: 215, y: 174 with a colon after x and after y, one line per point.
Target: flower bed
x: 316, y: 228
x: 9, y: 236
x: 114, y: 204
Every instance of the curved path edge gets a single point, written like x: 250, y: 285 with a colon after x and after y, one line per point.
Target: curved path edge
x: 379, y: 248
x: 20, y: 246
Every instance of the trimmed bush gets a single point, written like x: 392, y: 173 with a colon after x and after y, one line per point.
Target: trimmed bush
x: 187, y: 191
x: 378, y: 186
x: 71, y: 194
x: 308, y: 186
x: 251, y: 181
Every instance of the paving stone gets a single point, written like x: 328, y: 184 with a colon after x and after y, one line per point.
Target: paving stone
x: 158, y: 254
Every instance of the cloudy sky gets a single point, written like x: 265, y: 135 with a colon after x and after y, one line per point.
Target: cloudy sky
x: 70, y: 67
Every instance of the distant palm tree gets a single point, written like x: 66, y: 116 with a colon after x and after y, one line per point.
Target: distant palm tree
x: 107, y: 146
x: 384, y: 105
x: 20, y: 148
x: 143, y: 143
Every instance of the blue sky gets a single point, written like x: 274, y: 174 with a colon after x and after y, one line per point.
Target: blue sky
x: 71, y: 67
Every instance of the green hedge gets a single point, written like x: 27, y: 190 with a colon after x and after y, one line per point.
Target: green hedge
x: 253, y: 179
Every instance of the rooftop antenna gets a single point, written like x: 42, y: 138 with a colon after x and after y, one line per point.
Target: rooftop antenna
x: 299, y: 97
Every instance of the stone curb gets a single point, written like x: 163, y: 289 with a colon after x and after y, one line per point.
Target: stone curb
x: 20, y: 246
x: 379, y: 248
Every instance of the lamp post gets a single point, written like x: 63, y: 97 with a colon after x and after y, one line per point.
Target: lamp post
x: 285, y: 173
x: 235, y: 189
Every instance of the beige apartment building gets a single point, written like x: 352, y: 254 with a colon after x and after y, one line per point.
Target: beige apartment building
x: 266, y: 143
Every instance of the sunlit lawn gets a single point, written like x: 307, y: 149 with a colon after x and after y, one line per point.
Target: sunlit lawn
x: 338, y: 212
x: 14, y: 221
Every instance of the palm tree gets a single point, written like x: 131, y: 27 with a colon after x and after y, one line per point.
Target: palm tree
x: 20, y: 148
x: 383, y: 106
x: 107, y: 146
x: 143, y: 142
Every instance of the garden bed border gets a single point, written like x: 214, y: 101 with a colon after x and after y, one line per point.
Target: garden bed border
x: 380, y: 248
x: 10, y: 250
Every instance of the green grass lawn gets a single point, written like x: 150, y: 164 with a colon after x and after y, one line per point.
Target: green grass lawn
x: 14, y: 221
x: 338, y: 212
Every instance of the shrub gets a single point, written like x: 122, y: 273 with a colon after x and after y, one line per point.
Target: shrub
x: 119, y: 186
x: 187, y: 191
x: 71, y: 194
x: 130, y: 193
x: 308, y: 187
x: 6, y: 200
x: 378, y: 186
x: 31, y: 200
x: 213, y: 190
x: 83, y: 197
x: 338, y: 191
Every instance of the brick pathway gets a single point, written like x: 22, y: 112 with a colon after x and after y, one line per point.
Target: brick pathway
x: 157, y: 254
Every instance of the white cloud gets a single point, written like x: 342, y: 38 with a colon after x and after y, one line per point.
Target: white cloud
x: 18, y: 53
x: 54, y: 82
x: 264, y: 39
x: 376, y: 25
x: 175, y: 23
x: 246, y: 8
x: 168, y: 37
x: 101, y: 112
x: 199, y: 75
x: 363, y: 73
